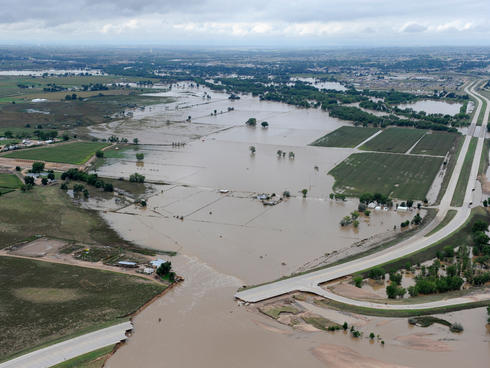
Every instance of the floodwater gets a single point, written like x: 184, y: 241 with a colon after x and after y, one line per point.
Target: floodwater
x: 50, y: 71
x: 336, y: 86
x: 433, y: 107
x: 226, y: 240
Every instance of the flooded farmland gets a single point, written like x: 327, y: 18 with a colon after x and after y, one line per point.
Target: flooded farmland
x: 433, y: 107
x: 226, y: 240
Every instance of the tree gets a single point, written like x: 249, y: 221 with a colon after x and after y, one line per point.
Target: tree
x: 29, y: 180
x: 136, y: 178
x: 286, y: 194
x: 251, y: 122
x: 345, y: 326
x: 252, y: 150
x: 78, y: 188
x: 99, y: 154
x: 51, y: 176
x: 135, y: 140
x: 44, y: 181
x: 264, y: 124
x: 140, y: 156
x: 409, y: 203
x: 291, y: 155
x: 164, y: 269
x: 377, y: 273
x: 304, y: 192
x: 331, y: 195
x: 279, y: 153
x: 393, y: 291
x: 108, y: 187
x: 63, y: 186
x: 479, y: 226
x: 417, y: 219
x: 37, y: 167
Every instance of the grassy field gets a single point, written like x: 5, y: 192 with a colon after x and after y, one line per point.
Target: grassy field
x: 10, y: 89
x: 8, y: 183
x: 453, y: 158
x: 446, y: 220
x: 400, y: 176
x: 482, y: 169
x: 482, y: 113
x: 460, y: 191
x: 44, y: 301
x: 70, y: 153
x: 63, y: 115
x: 399, y: 313
x: 396, y: 140
x: 47, y: 210
x: 345, y: 136
x: 94, y: 359
x: 436, y: 144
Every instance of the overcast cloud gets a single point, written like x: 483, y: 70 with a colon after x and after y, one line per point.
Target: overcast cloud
x: 248, y: 22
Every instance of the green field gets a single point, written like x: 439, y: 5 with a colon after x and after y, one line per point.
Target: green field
x: 345, y: 136
x: 400, y: 176
x: 396, y: 140
x: 9, y: 182
x: 461, y: 186
x: 49, y: 211
x: 68, y: 153
x: 446, y: 220
x: 42, y: 301
x: 435, y: 143
x: 482, y: 113
x: 94, y: 359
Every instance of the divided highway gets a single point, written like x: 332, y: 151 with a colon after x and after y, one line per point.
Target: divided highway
x: 66, y: 350
x: 310, y: 282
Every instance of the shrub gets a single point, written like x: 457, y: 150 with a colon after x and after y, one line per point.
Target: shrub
x: 377, y: 273
x: 99, y: 154
x: 357, y: 281
x: 136, y: 178
x: 108, y: 187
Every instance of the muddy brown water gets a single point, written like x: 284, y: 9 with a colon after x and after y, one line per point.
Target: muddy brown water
x: 227, y: 240
x: 433, y: 107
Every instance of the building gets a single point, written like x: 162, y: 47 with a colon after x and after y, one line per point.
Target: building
x: 157, y: 262
x: 127, y: 264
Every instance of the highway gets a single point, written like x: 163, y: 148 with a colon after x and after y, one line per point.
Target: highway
x: 309, y: 282
x: 58, y: 353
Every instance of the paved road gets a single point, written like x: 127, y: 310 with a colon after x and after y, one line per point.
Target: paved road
x: 58, y: 353
x: 309, y: 282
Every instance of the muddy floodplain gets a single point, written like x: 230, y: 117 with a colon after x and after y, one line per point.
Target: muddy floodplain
x: 227, y: 239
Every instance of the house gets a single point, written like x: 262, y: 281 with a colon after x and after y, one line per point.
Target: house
x: 148, y: 270
x: 157, y: 262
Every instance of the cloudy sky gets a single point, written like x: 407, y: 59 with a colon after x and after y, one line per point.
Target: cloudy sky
x: 270, y: 23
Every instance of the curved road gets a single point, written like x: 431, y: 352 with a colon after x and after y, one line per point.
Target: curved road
x: 310, y: 282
